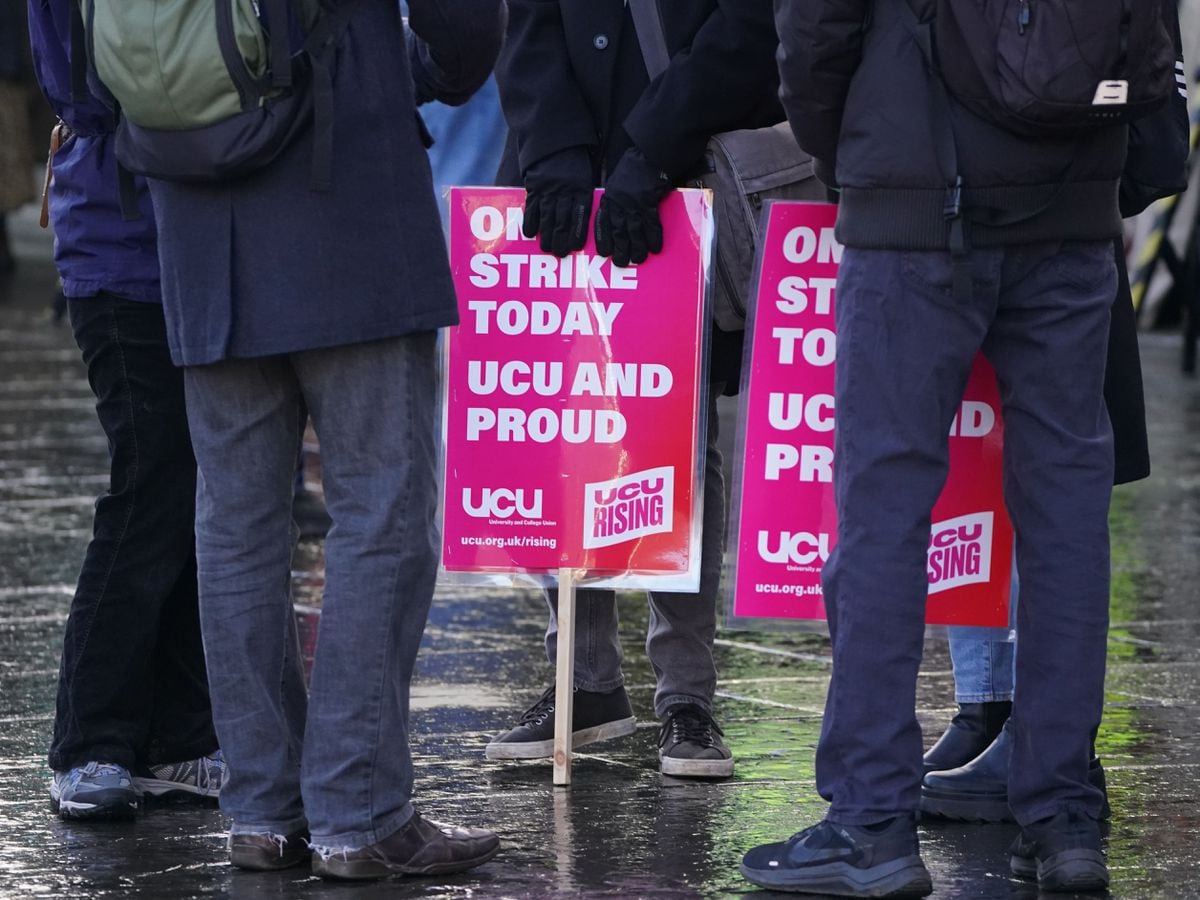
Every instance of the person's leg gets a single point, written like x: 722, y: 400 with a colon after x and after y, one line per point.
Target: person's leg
x: 244, y: 417
x: 1048, y: 348
x: 598, y: 653
x: 140, y: 553
x: 906, y: 342
x: 372, y: 406
x: 679, y: 642
x: 905, y: 347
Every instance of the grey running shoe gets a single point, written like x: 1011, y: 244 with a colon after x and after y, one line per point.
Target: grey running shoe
x: 201, y: 777
x: 690, y: 745
x: 596, y: 717
x: 94, y: 791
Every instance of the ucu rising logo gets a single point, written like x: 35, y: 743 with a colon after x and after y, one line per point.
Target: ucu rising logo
x: 627, y: 508
x: 960, y: 552
x: 800, y: 548
x: 503, y: 503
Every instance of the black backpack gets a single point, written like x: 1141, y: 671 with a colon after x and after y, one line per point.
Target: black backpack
x: 1046, y: 67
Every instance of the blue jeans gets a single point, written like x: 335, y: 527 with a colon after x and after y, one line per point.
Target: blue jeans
x: 906, y: 342
x: 337, y: 762
x: 679, y: 641
x: 984, y: 664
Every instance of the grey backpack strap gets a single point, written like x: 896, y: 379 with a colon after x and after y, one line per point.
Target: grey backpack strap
x: 648, y: 25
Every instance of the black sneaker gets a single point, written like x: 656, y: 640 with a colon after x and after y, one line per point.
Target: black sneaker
x: 596, y: 717
x: 881, y: 860
x: 690, y: 745
x: 1063, y: 853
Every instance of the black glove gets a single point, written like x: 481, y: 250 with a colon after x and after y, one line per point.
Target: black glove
x: 558, y: 200
x: 627, y: 226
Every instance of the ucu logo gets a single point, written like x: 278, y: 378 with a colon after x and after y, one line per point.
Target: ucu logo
x: 503, y: 503
x: 801, y: 548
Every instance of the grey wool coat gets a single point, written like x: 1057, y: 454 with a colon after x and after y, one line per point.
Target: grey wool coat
x: 265, y: 265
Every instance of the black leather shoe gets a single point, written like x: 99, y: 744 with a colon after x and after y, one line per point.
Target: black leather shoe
x: 419, y: 847
x: 1063, y: 853
x: 268, y: 852
x: 971, y: 731
x: 978, y: 791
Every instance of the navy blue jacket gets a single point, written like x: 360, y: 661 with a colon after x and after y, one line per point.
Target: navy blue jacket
x: 263, y: 265
x: 95, y: 249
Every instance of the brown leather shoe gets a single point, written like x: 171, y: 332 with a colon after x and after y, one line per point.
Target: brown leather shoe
x: 420, y: 847
x: 268, y: 852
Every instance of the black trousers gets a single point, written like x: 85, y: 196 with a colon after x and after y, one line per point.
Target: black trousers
x: 132, y: 684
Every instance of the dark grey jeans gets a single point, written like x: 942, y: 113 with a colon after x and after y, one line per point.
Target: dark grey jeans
x: 679, y: 641
x: 905, y: 345
x: 338, y: 761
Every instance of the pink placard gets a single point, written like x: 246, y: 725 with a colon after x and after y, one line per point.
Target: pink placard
x: 573, y: 399
x: 786, y: 521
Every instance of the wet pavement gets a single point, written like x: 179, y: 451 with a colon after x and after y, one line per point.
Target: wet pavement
x: 621, y: 829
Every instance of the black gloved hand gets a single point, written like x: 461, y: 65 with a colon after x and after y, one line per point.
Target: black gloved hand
x: 627, y: 226
x: 558, y: 200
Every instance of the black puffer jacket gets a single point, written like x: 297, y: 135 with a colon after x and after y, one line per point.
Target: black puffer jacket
x: 859, y: 98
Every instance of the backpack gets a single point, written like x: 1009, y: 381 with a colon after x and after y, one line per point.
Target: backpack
x: 1046, y: 67
x: 208, y: 90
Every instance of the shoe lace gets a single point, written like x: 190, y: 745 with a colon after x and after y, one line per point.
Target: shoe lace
x: 690, y: 724
x: 99, y: 768
x: 542, y: 707
x: 211, y: 770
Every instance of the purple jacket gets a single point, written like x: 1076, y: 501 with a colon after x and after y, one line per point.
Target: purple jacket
x: 95, y: 249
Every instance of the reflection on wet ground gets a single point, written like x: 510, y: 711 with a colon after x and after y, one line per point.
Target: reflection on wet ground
x: 622, y: 829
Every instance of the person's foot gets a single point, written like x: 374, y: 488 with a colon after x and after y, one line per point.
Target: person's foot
x: 265, y: 851
x: 978, y: 791
x: 419, y: 847
x: 595, y: 717
x: 881, y: 860
x: 97, y: 790
x: 970, y: 732
x: 1062, y: 852
x: 690, y: 745
x: 201, y: 777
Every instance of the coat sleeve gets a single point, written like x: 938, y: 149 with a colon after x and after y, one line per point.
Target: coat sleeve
x: 542, y: 101
x: 708, y: 87
x: 1156, y: 162
x: 820, y: 47
x: 452, y: 46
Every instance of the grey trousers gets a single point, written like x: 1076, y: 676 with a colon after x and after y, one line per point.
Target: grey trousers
x: 679, y: 642
x: 906, y: 342
x: 337, y: 761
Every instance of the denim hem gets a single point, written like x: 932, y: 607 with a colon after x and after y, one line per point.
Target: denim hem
x: 291, y: 826
x: 600, y: 687
x: 356, y: 840
x: 992, y: 697
x: 662, y: 705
